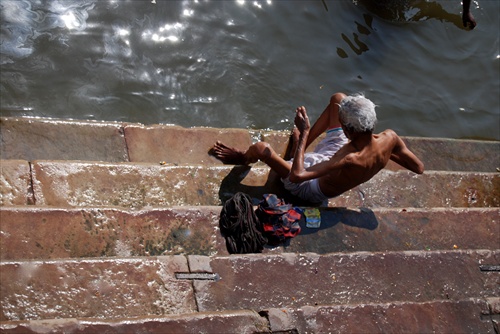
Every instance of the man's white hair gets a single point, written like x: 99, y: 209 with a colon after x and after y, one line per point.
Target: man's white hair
x: 357, y: 113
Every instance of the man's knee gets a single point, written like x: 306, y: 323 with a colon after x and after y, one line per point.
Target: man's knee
x: 337, y: 98
x: 262, y: 150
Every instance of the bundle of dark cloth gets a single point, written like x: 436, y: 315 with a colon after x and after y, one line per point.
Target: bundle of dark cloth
x: 248, y: 231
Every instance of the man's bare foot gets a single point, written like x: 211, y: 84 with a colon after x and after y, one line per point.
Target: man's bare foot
x: 228, y: 155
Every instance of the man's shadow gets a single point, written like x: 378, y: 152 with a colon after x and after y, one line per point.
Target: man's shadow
x: 323, y: 241
x: 232, y: 184
x: 341, y: 230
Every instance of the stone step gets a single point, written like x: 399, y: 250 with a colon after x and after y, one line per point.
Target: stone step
x: 139, y: 185
x: 28, y: 232
x: 114, y: 288
x: 444, y: 316
x: 296, y: 280
x: 57, y: 139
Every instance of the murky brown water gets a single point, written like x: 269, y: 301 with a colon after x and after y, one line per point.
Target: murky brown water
x: 250, y: 63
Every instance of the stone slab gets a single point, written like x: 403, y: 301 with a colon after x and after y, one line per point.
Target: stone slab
x: 297, y: 280
x: 244, y: 322
x: 38, y: 138
x: 62, y: 183
x: 15, y: 183
x: 31, y: 139
x: 379, y: 230
x: 462, y: 316
x: 28, y: 232
x: 494, y: 312
x: 177, y: 145
x: 94, y: 288
x: 457, y: 155
x: 431, y: 189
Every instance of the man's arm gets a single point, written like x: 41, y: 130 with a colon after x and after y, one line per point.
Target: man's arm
x: 298, y: 173
x: 404, y: 157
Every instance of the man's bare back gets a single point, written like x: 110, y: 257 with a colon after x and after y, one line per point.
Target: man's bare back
x: 354, y: 161
x: 360, y: 164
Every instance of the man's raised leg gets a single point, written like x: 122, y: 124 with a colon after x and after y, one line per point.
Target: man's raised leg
x: 258, y: 151
x: 329, y: 118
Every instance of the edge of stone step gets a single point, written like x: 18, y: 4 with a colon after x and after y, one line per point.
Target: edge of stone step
x: 137, y: 185
x: 463, y: 316
x: 59, y: 139
x: 27, y: 232
x: 151, y: 286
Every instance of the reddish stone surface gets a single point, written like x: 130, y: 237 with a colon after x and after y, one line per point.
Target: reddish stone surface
x: 296, y: 280
x: 494, y: 312
x: 381, y: 270
x: 37, y: 138
x: 244, y: 322
x: 58, y: 183
x: 136, y: 186
x: 99, y: 288
x: 28, y: 233
x: 429, y: 190
x: 458, y: 155
x: 15, y: 183
x: 177, y: 145
x: 462, y: 316
x: 349, y: 230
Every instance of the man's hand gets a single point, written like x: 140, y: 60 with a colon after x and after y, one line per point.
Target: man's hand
x: 301, y: 120
x: 467, y: 18
x: 468, y: 21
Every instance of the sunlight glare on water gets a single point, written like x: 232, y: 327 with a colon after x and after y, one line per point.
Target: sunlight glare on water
x: 250, y: 63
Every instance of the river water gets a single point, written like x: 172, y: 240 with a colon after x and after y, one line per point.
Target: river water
x: 249, y: 64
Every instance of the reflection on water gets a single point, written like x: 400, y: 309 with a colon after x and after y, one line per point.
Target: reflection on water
x: 248, y: 64
x: 355, y: 44
x: 413, y: 11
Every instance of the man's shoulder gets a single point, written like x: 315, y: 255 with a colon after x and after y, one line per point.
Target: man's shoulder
x: 389, y: 133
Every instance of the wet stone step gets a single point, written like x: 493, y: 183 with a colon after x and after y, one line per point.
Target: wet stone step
x: 244, y: 322
x: 298, y: 280
x: 95, y: 288
x: 141, y: 185
x: 57, y: 139
x: 28, y: 232
x: 444, y: 316
x: 45, y: 138
x: 464, y: 316
x: 134, y: 287
x: 15, y: 176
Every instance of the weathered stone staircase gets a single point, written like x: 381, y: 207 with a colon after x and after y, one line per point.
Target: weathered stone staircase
x: 113, y: 228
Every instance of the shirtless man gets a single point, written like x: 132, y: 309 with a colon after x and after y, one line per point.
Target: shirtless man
x: 349, y: 155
